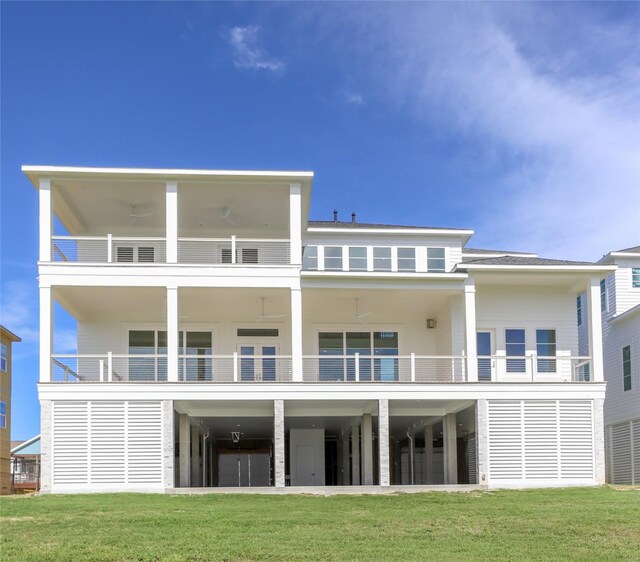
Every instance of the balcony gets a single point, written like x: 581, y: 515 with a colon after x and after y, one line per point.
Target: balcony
x: 356, y: 369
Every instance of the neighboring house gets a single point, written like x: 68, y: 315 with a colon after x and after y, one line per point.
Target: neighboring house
x: 620, y: 303
x: 7, y: 338
x: 223, y: 339
x: 25, y: 465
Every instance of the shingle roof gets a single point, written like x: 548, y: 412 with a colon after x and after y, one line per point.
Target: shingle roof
x: 519, y: 260
x: 634, y: 250
x: 501, y: 252
x: 357, y: 225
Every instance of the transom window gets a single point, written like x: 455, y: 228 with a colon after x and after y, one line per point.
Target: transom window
x: 435, y: 259
x: 626, y: 368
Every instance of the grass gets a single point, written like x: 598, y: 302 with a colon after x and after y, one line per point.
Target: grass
x: 565, y: 524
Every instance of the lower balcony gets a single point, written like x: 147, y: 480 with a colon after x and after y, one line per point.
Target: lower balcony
x: 246, y: 367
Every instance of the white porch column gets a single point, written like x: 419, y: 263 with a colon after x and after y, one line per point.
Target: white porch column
x: 46, y: 334
x: 184, y: 450
x: 168, y: 473
x: 595, y: 330
x: 450, y: 443
x: 470, y: 329
x: 600, y: 452
x: 46, y: 219
x: 172, y: 334
x: 428, y: 455
x: 346, y: 462
x: 482, y: 443
x: 367, y: 450
x: 295, y: 222
x: 383, y: 441
x: 171, y: 211
x: 296, y: 334
x: 278, y: 442
x: 196, y: 473
x: 355, y: 455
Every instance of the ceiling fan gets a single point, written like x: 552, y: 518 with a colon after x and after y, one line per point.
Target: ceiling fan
x: 133, y: 216
x: 359, y: 316
x: 225, y: 215
x: 264, y: 316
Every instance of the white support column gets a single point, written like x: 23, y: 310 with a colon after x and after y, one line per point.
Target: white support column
x: 428, y: 455
x: 296, y: 334
x: 595, y: 330
x: 278, y: 442
x: 367, y: 450
x: 184, y: 452
x: 46, y: 219
x: 482, y: 443
x: 450, y: 442
x: 168, y: 454
x: 470, y: 330
x: 355, y: 455
x: 600, y: 452
x: 46, y: 441
x: 346, y: 461
x: 46, y: 334
x: 383, y: 441
x: 171, y: 211
x: 195, y: 457
x: 172, y: 334
x: 295, y: 222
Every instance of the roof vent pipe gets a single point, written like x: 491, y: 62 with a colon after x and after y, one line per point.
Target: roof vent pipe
x: 353, y: 218
x: 335, y: 215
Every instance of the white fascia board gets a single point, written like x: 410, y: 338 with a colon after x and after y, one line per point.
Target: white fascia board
x: 611, y: 255
x: 494, y: 255
x: 599, y: 269
x: 34, y: 172
x: 463, y: 234
x: 626, y: 315
x: 319, y: 391
x: 386, y: 275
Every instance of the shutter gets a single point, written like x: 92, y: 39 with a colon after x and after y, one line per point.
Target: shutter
x: 70, y: 443
x: 541, y: 439
x: 621, y: 453
x: 505, y: 439
x: 124, y: 253
x: 107, y: 443
x: 472, y: 452
x: 146, y: 254
x: 144, y: 442
x: 576, y: 439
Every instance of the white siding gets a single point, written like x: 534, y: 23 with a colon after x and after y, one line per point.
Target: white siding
x: 540, y: 442
x: 106, y: 445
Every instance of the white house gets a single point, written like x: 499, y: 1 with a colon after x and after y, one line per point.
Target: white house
x: 223, y: 339
x: 620, y: 306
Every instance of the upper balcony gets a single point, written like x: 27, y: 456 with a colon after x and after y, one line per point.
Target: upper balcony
x: 97, y: 216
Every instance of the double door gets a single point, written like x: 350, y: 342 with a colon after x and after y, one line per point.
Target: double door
x: 258, y: 361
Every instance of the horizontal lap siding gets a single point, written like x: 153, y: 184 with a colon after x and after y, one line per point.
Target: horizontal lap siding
x: 107, y: 443
x: 541, y: 440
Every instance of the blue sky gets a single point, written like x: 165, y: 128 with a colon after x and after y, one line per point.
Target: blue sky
x: 521, y: 121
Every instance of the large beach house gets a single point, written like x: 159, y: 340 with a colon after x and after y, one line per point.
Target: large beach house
x: 226, y: 340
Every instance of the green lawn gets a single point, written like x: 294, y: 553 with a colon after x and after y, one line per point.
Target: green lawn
x: 567, y: 524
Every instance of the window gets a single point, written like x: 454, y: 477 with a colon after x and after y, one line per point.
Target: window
x: 635, y: 277
x: 603, y: 295
x: 357, y: 258
x: 3, y: 357
x: 3, y: 414
x: 435, y: 259
x: 546, y: 347
x: 310, y: 258
x: 515, y: 347
x: 333, y: 258
x: 258, y: 332
x: 579, y: 310
x: 146, y: 342
x: 626, y: 368
x: 406, y: 259
x: 381, y: 259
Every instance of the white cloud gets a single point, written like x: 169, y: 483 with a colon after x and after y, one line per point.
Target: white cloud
x: 562, y: 141
x: 247, y: 52
x: 353, y: 98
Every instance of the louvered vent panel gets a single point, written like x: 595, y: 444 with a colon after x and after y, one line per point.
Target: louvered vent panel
x: 541, y: 439
x: 635, y: 426
x: 576, y: 439
x: 472, y: 451
x: 70, y: 443
x: 107, y: 443
x: 144, y: 442
x: 621, y: 453
x: 505, y: 439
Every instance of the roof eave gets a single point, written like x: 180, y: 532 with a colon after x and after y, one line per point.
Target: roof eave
x: 538, y: 268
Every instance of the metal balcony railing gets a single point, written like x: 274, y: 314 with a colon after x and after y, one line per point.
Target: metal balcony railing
x: 108, y: 249
x: 234, y: 251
